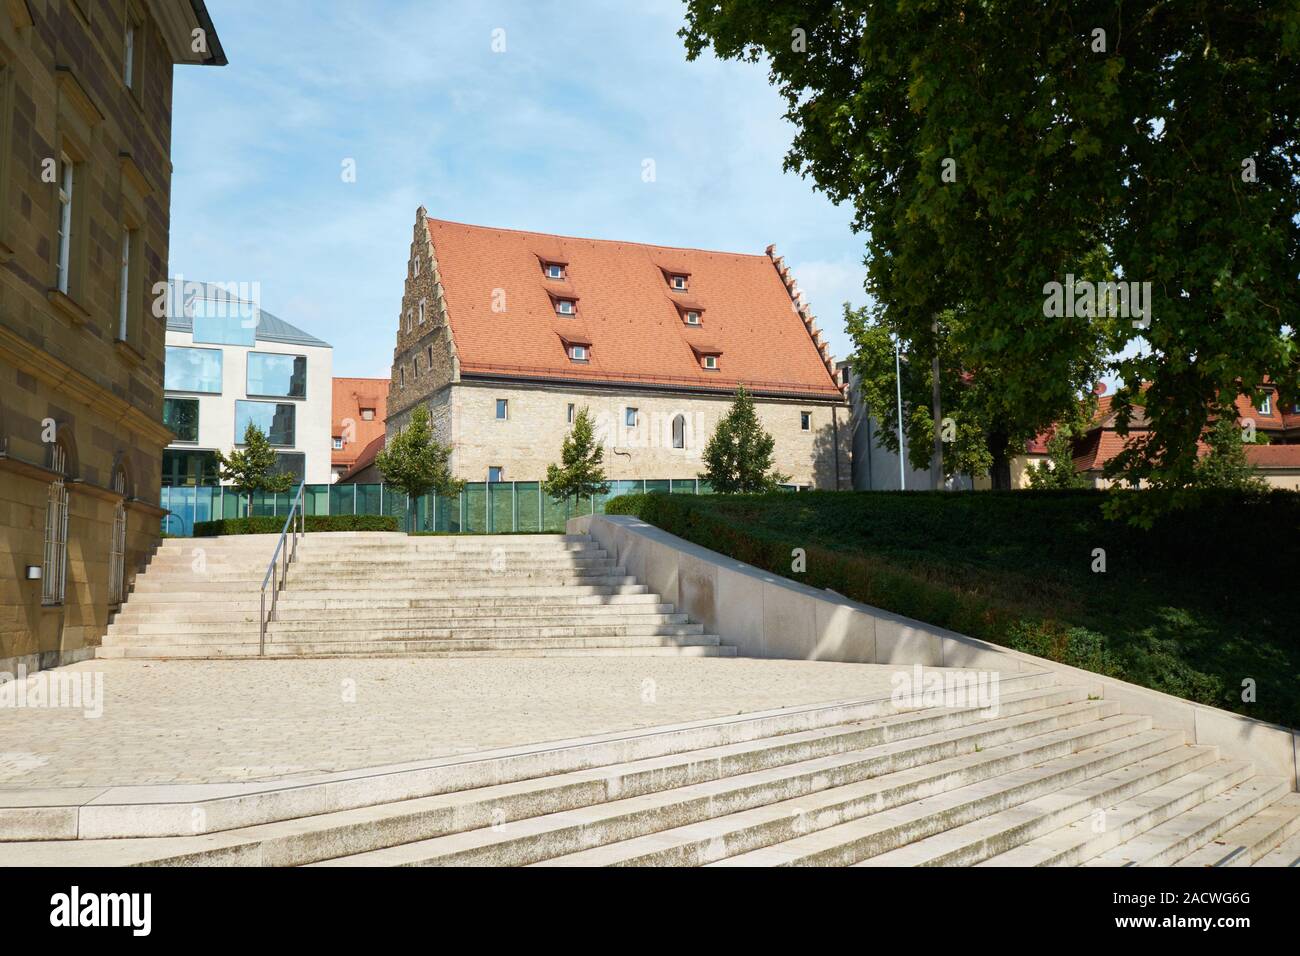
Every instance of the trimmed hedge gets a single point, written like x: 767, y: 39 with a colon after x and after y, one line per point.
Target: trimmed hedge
x: 1195, y: 606
x: 270, y: 524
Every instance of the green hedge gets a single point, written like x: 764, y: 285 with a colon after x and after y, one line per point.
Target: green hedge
x: 269, y: 524
x: 1194, y: 606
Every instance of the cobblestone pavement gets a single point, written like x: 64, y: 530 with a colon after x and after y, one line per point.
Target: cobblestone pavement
x: 166, y: 722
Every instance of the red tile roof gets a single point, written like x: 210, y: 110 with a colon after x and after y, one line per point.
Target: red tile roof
x: 350, y: 396
x: 365, y: 458
x: 625, y: 307
x: 1273, y: 456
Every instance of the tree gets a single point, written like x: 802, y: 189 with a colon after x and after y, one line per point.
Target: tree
x: 580, y: 473
x: 1152, y: 142
x: 1226, y: 465
x: 251, y: 468
x: 1058, y: 471
x: 413, y: 463
x: 738, y: 456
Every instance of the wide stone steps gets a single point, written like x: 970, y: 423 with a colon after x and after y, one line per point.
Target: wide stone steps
x: 331, y: 598
x: 398, y: 618
x: 701, y: 645
x: 377, y: 581
x: 324, y: 631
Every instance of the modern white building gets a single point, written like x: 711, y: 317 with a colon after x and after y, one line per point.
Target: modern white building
x: 230, y: 363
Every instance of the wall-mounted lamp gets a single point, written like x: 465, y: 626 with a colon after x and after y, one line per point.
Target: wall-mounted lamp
x: 33, y: 572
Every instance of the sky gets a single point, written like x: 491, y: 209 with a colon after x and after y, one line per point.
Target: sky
x: 551, y: 134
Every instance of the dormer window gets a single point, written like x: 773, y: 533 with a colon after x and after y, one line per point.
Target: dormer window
x: 679, y: 283
x: 578, y: 353
x: 564, y: 306
x: 554, y: 270
x: 692, y: 318
x: 710, y: 362
x: 1266, y: 406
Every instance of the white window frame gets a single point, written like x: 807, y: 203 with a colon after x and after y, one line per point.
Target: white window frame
x: 67, y: 193
x: 502, y: 405
x: 805, y: 421
x: 578, y: 353
x: 630, y: 417
x: 1266, y: 406
x: 564, y: 307
x: 338, y: 444
x: 692, y: 318
x: 554, y: 271
x: 679, y: 283
x: 711, y: 362
x: 501, y: 474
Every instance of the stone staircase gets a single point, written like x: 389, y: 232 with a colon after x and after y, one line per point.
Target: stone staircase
x: 385, y: 594
x: 1057, y: 777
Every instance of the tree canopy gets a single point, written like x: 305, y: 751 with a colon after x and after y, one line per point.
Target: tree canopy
x: 581, y: 471
x: 990, y: 150
x: 414, y: 463
x: 738, y: 455
x: 252, y: 468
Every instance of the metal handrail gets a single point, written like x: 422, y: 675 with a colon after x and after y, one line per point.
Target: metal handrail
x: 284, y: 556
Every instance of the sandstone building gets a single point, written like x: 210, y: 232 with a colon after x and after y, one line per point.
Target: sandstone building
x: 505, y: 335
x: 85, y: 194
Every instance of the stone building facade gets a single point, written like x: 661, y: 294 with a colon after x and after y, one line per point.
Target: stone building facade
x: 85, y: 183
x: 486, y: 343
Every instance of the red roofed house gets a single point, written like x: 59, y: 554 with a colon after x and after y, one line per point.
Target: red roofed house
x: 506, y: 334
x: 360, y: 407
x: 1278, y: 462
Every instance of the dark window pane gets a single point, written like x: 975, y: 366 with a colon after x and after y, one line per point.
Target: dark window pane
x: 192, y: 370
x: 292, y: 463
x: 275, y: 420
x: 181, y: 415
x: 188, y: 468
x: 280, y: 375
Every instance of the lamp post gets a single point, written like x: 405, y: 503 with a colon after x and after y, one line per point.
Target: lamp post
x: 902, y: 451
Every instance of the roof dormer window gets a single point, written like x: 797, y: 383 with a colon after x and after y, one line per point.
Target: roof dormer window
x: 679, y: 283
x: 564, y: 306
x: 578, y: 353
x: 692, y: 318
x: 554, y: 270
x: 710, y: 362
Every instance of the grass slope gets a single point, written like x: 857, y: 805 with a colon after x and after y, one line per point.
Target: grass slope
x: 1200, y: 603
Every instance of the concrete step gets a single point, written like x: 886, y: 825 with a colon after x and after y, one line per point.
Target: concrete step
x: 383, y: 587
x: 415, y: 597
x: 190, y: 566
x: 350, y: 631
x: 1287, y: 854
x: 404, y: 618
x: 813, y: 783
x: 1081, y: 841
x: 469, y: 610
x: 1168, y: 842
x: 707, y: 645
x: 1252, y: 839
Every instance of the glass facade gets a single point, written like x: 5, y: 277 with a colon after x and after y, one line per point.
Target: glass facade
x: 192, y: 370
x: 182, y: 467
x: 276, y: 421
x: 283, y: 376
x: 181, y: 415
x: 292, y: 463
x: 225, y: 322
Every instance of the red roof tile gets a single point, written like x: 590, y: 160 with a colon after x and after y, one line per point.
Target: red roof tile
x: 636, y: 332
x: 350, y: 396
x: 1273, y: 456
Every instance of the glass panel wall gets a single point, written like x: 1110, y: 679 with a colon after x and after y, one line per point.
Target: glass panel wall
x: 192, y: 370
x: 280, y: 376
x: 276, y: 421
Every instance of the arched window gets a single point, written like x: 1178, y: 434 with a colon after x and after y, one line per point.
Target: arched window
x: 679, y: 431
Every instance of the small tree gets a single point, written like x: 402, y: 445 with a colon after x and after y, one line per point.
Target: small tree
x: 580, y: 472
x: 1058, y: 471
x: 738, y: 457
x: 413, y: 463
x: 251, y: 469
x: 1226, y: 465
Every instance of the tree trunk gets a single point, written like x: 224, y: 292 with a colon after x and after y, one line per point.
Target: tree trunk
x: 1000, y: 472
x: 936, y: 456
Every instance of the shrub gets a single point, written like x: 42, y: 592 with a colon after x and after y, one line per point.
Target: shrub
x: 271, y: 524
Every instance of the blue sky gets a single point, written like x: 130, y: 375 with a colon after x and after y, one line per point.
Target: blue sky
x: 549, y: 135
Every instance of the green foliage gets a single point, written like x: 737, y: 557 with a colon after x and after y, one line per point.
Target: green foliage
x: 1177, y: 610
x: 981, y: 169
x: 580, y: 473
x: 272, y: 524
x: 413, y: 463
x: 738, y: 456
x: 1057, y: 473
x: 251, y: 468
x: 1226, y: 465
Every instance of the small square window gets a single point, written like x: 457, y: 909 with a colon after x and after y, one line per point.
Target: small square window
x: 679, y: 282
x: 629, y: 417
x: 554, y: 271
x: 805, y: 421
x: 367, y: 414
x: 503, y: 409
x: 710, y: 361
x: 494, y: 473
x: 564, y: 306
x: 578, y: 353
x: 338, y: 443
x: 570, y: 413
x: 692, y: 318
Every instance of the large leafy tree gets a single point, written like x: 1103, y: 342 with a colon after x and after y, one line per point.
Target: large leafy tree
x: 413, y: 463
x: 581, y: 471
x: 253, y: 467
x: 738, y: 455
x: 990, y: 149
x: 1226, y: 464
